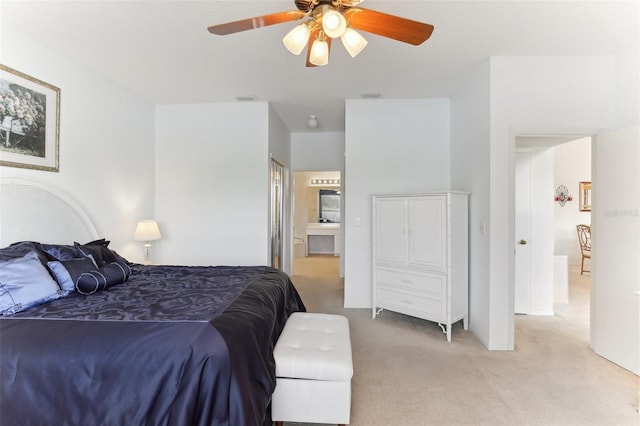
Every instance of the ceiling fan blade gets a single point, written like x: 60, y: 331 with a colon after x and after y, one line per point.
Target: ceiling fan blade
x: 395, y: 27
x: 312, y: 37
x: 257, y: 22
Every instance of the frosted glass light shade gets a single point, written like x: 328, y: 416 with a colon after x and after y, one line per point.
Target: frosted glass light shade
x: 147, y: 230
x: 296, y: 39
x: 353, y: 42
x: 333, y: 23
x: 319, y: 53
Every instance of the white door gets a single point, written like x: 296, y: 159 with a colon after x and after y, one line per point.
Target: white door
x: 523, y: 232
x: 615, y: 249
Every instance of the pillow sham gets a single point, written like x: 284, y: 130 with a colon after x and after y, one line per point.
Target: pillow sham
x: 60, y: 251
x: 20, y: 249
x: 83, y: 276
x: 66, y: 272
x: 100, y: 252
x: 24, y: 283
x: 94, y: 251
x: 100, y: 242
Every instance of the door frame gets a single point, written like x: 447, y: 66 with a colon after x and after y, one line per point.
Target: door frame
x: 277, y: 176
x: 514, y: 133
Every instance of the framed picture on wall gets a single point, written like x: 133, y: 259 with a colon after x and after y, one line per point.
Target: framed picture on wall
x: 585, y: 196
x: 29, y: 121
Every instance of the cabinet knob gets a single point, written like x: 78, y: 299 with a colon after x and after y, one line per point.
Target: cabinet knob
x: 523, y: 242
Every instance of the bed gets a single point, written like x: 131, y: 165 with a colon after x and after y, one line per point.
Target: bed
x: 146, y: 345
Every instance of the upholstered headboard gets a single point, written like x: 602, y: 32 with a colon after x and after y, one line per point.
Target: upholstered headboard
x: 34, y: 211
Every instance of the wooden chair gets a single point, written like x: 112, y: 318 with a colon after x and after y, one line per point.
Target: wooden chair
x: 584, y: 238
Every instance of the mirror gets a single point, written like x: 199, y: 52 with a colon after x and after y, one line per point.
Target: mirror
x: 585, y: 196
x: 328, y: 206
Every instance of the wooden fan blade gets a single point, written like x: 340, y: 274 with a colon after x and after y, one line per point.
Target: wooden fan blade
x: 257, y: 22
x: 395, y: 27
x: 312, y: 38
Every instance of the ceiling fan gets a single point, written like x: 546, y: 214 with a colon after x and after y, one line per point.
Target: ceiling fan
x: 329, y: 19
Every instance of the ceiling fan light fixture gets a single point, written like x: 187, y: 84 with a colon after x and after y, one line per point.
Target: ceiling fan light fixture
x: 334, y: 23
x: 319, y: 54
x: 313, y: 122
x: 353, y: 42
x: 297, y: 38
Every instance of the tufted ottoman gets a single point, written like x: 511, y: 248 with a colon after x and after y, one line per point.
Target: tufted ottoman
x: 313, y: 370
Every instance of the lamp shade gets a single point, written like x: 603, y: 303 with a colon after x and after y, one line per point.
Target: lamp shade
x: 147, y: 230
x: 296, y: 39
x: 353, y: 42
x: 319, y: 54
x: 333, y: 23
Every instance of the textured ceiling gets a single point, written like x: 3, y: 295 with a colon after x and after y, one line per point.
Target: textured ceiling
x: 162, y: 51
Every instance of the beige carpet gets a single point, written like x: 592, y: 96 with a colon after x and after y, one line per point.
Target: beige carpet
x: 405, y: 372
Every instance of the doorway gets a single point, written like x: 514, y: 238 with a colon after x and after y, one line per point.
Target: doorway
x: 317, y: 214
x: 546, y: 246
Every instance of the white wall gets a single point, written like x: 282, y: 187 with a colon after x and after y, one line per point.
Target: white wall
x: 570, y: 94
x: 106, y: 142
x: 392, y: 145
x: 627, y: 85
x: 470, y: 119
x: 317, y: 151
x: 572, y: 165
x: 212, y: 191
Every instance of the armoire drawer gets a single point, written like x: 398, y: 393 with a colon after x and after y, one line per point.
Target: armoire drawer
x: 432, y: 283
x: 422, y: 306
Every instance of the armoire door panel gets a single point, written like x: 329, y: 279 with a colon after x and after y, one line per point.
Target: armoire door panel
x: 427, y: 232
x: 391, y: 227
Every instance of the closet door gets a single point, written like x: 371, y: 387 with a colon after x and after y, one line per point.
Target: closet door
x: 427, y: 232
x: 390, y: 232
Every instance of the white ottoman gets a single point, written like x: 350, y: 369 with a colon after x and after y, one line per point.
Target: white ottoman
x: 313, y: 370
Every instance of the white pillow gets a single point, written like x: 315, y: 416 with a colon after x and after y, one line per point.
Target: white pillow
x: 25, y: 282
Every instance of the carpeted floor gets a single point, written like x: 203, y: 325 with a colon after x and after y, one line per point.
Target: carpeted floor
x: 405, y: 372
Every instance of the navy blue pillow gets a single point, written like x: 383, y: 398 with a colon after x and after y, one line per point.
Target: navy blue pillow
x: 94, y: 250
x: 21, y: 248
x: 100, y: 252
x: 66, y: 272
x: 83, y: 275
x: 108, y: 275
x: 61, y: 251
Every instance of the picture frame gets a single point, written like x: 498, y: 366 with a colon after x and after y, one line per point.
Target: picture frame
x: 585, y: 197
x: 29, y: 121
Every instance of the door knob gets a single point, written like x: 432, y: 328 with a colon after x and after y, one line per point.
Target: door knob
x: 523, y: 242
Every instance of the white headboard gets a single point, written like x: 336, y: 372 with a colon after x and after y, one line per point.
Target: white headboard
x: 34, y: 211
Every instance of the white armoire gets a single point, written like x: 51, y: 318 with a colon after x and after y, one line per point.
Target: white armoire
x: 420, y: 256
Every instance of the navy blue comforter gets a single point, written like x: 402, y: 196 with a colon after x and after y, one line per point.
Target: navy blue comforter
x: 174, y: 345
